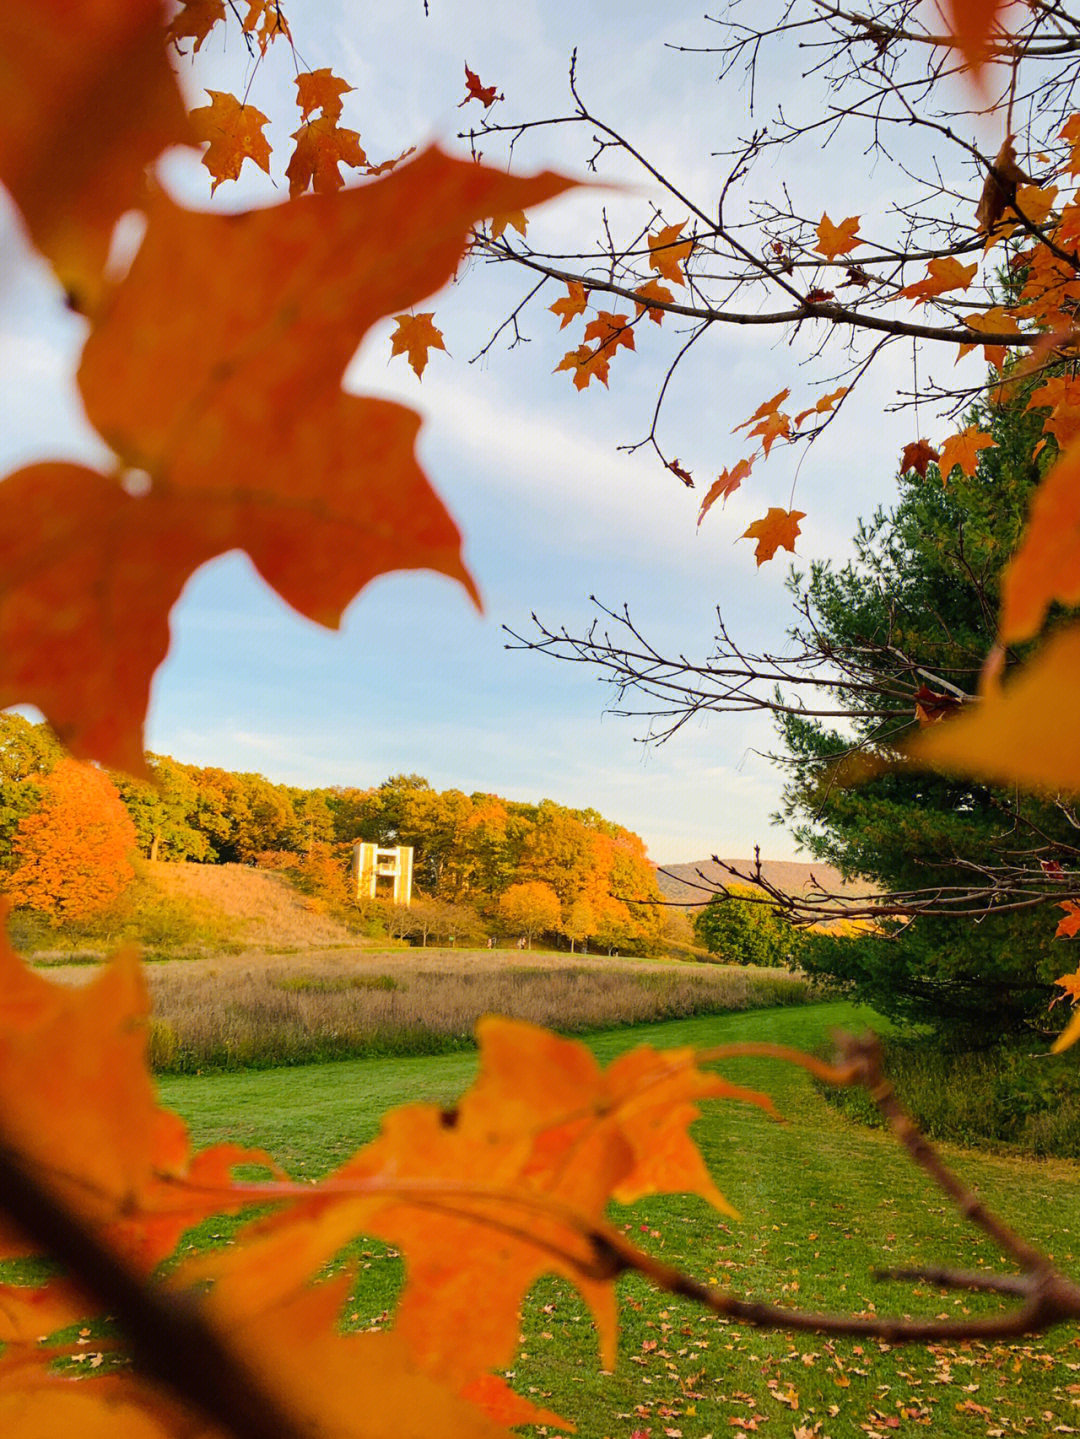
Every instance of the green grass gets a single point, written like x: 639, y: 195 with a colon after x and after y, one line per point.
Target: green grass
x: 822, y: 1200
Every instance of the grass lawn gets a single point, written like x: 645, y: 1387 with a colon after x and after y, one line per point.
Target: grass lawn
x: 822, y: 1201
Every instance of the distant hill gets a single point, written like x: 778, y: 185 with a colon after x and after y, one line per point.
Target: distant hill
x: 682, y: 882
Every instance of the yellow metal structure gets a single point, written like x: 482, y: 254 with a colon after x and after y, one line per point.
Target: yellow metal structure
x: 383, y: 873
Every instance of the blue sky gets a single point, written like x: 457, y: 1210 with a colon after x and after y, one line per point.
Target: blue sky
x: 550, y: 510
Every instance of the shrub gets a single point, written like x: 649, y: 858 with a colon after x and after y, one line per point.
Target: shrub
x: 747, y: 931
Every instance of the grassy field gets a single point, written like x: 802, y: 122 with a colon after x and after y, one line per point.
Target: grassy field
x: 268, y: 1010
x: 822, y: 1201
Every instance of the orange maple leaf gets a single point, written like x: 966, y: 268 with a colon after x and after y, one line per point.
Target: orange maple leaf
x: 972, y: 23
x: 653, y: 290
x: 586, y: 364
x: 726, y: 484
x: 74, y: 169
x: 1070, y: 133
x: 1070, y: 983
x: 610, y: 331
x: 321, y: 146
x: 492, y: 1394
x: 992, y: 321
x: 833, y: 240
x: 918, y: 456
x: 1067, y: 929
x: 941, y: 276
x: 234, y: 134
x: 667, y: 253
x: 264, y: 20
x: 767, y: 407
x: 775, y: 530
x: 1046, y: 566
x: 516, y: 218
x: 932, y: 706
x: 542, y: 1124
x: 824, y: 405
x: 962, y: 451
x: 415, y: 336
x: 1020, y: 733
x: 776, y: 425
x: 320, y: 90
x: 1061, y: 395
x: 486, y: 94
x: 768, y: 421
x: 232, y: 404
x: 194, y: 21
x: 572, y: 304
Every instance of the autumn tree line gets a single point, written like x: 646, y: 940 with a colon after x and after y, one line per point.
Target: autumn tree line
x: 482, y: 864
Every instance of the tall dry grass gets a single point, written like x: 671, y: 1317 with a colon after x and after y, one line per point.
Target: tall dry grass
x: 247, y: 1015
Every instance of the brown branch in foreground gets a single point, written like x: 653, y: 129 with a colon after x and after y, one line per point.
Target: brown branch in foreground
x: 170, y: 1342
x: 1048, y: 1296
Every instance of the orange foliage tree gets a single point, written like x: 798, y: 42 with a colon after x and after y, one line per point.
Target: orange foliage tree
x: 74, y: 849
x: 218, y: 388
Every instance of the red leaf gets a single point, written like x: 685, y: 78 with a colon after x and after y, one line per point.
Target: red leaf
x: 486, y: 94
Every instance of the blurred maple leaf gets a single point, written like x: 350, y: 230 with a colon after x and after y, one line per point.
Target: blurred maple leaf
x: 833, y: 240
x: 415, y: 336
x: 234, y: 134
x: 81, y: 1107
x: 1067, y: 929
x: 1022, y: 733
x: 972, y: 23
x: 74, y: 169
x: 667, y: 254
x: 486, y: 94
x: 1046, y: 566
x: 232, y: 404
x: 775, y: 530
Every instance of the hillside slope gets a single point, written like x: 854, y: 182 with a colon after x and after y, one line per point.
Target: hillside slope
x: 689, y: 883
x: 266, y: 910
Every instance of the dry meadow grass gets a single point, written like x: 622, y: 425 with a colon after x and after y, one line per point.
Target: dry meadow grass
x: 261, y: 1010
